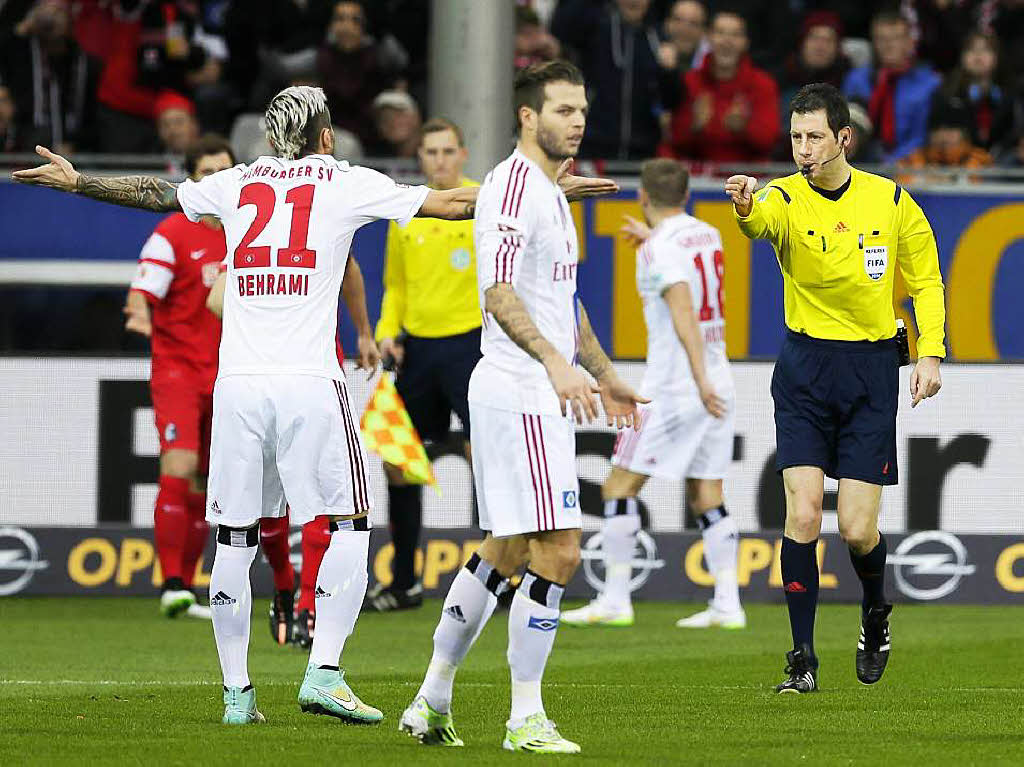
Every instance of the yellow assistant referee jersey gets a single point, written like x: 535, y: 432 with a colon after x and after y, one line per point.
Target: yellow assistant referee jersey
x: 838, y: 252
x: 430, y: 285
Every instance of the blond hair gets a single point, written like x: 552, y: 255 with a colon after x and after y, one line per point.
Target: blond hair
x: 294, y: 118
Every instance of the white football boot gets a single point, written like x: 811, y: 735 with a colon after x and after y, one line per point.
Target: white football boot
x: 713, y: 617
x: 599, y: 613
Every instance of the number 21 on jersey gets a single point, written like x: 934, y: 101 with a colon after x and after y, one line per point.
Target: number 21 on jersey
x: 296, y: 255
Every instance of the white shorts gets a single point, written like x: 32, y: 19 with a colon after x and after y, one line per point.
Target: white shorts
x: 524, y: 470
x: 678, y: 439
x: 284, y: 439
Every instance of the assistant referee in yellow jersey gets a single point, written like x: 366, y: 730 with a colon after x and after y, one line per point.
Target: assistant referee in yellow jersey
x: 430, y: 326
x: 840, y: 234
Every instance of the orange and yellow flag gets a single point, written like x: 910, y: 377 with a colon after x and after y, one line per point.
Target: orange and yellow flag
x: 388, y: 431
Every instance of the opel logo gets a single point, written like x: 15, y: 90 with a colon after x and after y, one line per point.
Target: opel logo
x: 645, y: 559
x: 930, y: 564
x: 19, y: 560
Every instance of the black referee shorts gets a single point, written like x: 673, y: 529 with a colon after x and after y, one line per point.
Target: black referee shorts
x: 835, y: 407
x: 434, y: 381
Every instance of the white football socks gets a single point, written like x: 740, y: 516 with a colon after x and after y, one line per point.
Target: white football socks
x: 467, y: 608
x: 532, y: 625
x: 231, y: 604
x: 618, y: 536
x: 721, y: 544
x: 340, y: 588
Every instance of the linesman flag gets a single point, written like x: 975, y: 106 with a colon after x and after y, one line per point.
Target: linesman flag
x: 388, y: 431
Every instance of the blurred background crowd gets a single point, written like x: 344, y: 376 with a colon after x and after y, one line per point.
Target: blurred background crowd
x: 933, y: 82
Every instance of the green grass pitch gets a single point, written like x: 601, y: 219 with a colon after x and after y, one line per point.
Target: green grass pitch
x: 108, y: 681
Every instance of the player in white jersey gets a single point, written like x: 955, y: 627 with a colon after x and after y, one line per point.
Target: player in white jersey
x: 524, y: 397
x: 283, y: 426
x: 687, y: 431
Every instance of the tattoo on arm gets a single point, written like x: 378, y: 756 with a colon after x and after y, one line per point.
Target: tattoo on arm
x: 591, y: 355
x: 502, y: 303
x: 147, y: 192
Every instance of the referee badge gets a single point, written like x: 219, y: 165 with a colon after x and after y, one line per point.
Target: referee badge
x: 460, y: 259
x: 876, y: 259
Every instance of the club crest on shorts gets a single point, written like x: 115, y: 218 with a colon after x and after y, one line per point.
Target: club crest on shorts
x: 569, y: 499
x: 876, y: 259
x: 170, y: 432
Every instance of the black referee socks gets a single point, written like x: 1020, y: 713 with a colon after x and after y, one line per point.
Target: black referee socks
x: 800, y: 581
x: 870, y: 568
x: 405, y: 514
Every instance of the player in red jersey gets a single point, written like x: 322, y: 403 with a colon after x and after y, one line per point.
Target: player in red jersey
x: 290, y: 622
x: 167, y: 303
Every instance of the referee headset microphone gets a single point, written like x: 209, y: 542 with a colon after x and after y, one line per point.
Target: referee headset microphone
x: 805, y: 169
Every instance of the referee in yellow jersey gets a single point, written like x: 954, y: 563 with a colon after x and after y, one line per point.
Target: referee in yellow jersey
x: 430, y: 326
x: 840, y: 234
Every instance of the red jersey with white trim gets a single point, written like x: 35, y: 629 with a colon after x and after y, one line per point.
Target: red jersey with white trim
x: 289, y: 226
x: 525, y: 236
x: 682, y: 249
x: 177, y: 266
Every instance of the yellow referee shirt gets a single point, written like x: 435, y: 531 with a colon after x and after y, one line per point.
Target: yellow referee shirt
x: 838, y: 258
x: 430, y: 285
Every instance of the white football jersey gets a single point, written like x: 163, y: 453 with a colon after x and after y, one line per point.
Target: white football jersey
x: 288, y: 225
x: 683, y: 249
x: 524, y: 236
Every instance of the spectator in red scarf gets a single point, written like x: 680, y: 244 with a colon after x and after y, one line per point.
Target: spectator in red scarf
x: 897, y: 89
x: 976, y: 90
x: 731, y: 113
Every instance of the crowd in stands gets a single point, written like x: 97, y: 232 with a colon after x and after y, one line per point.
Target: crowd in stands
x: 931, y: 82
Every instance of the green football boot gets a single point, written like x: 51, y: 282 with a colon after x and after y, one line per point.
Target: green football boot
x: 324, y: 691
x: 538, y: 735
x: 429, y: 727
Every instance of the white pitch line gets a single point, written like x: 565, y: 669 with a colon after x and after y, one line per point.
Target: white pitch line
x: 190, y: 683
x: 571, y: 685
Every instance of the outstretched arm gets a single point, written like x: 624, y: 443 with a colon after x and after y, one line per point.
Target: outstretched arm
x: 452, y: 204
x: 147, y: 192
x: 618, y: 398
x: 761, y: 216
x: 577, y: 187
